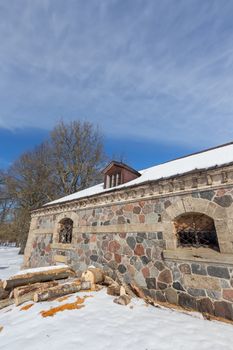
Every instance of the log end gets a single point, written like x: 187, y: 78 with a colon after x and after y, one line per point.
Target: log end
x: 35, y: 298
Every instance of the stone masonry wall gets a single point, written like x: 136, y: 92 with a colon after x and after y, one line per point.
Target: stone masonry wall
x: 139, y: 256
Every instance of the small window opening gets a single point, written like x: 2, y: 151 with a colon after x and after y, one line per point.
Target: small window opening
x: 65, y: 231
x: 114, y: 180
x: 196, y: 230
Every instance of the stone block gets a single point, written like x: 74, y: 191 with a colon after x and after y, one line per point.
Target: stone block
x: 139, y: 250
x: 196, y: 292
x: 159, y: 265
x: 139, y: 279
x: 94, y: 257
x: 198, y: 269
x: 185, y: 268
x: 228, y: 294
x: 218, y: 271
x: 201, y: 282
x: 145, y: 260
x: 161, y: 285
x: 213, y: 294
x: 223, y: 309
x: 224, y: 201
x: 131, y: 242
x: 165, y: 276
x: 114, y: 246
x: 121, y: 268
x: 151, y: 283
x: 160, y: 296
x: 176, y: 285
x: 187, y: 301
x: 207, y: 195
x: 205, y: 305
x: 171, y: 296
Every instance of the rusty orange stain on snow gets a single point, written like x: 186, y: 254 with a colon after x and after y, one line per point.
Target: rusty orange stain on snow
x: 68, y: 306
x: 78, y: 304
x: 26, y: 307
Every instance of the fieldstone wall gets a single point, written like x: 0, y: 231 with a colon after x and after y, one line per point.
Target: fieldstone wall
x: 130, y: 240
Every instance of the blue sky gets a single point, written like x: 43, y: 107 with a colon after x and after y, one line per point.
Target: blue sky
x: 155, y: 75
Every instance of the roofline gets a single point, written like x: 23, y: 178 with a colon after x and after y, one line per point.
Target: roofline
x: 194, y: 153
x: 114, y: 189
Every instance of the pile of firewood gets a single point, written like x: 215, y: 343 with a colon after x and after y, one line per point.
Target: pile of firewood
x: 55, y: 281
x: 39, y: 285
x: 121, y: 290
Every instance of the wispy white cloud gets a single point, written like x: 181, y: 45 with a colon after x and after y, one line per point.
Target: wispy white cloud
x: 160, y: 70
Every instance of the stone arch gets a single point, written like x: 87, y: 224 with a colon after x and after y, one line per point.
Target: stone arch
x: 66, y: 215
x: 203, y: 206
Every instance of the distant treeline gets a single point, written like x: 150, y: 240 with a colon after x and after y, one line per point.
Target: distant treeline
x: 70, y: 160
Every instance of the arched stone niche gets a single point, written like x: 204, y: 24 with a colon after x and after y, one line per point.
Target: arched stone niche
x: 67, y: 215
x: 219, y: 215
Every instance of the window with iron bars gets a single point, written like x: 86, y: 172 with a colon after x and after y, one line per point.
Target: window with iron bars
x: 192, y: 238
x: 196, y: 231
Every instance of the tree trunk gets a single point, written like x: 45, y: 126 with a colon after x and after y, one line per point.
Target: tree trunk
x: 61, y: 290
x: 38, y: 276
x: 26, y: 293
x: 94, y: 275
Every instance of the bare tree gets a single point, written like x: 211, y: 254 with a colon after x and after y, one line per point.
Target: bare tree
x: 6, y: 202
x: 77, y: 156
x: 70, y: 160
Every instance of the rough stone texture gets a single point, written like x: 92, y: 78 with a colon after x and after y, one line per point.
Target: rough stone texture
x: 224, y: 201
x: 171, y: 296
x: 228, y: 294
x: 223, y: 309
x: 205, y: 306
x: 185, y: 268
x: 187, y: 301
x: 203, y: 282
x: 165, y: 276
x: 138, y: 256
x: 198, y: 269
x: 218, y: 271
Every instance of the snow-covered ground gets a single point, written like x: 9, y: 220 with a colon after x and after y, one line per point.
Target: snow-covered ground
x: 10, y: 261
x: 102, y: 324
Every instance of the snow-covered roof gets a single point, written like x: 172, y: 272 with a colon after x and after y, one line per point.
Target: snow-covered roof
x: 206, y: 159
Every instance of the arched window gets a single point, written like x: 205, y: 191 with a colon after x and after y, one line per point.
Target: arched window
x: 196, y: 230
x: 65, y: 230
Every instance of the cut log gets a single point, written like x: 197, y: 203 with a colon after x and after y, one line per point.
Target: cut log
x: 114, y: 289
x: 38, y: 276
x: 108, y: 281
x: 137, y: 291
x: 122, y: 300
x: 26, y: 293
x: 60, y: 290
x: 3, y: 293
x: 94, y: 275
x: 6, y: 302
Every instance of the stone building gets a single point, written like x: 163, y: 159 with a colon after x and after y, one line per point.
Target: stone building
x: 168, y: 228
